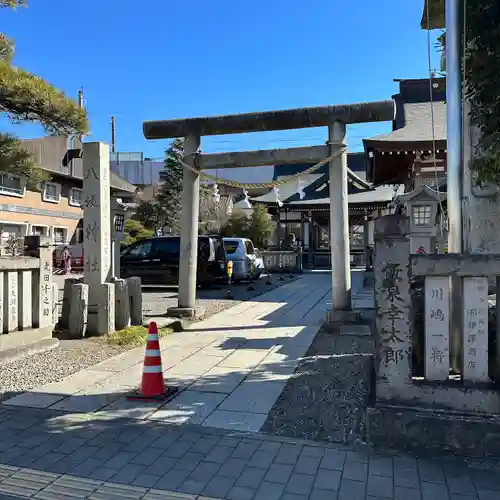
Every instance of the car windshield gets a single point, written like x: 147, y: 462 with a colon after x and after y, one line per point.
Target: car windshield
x: 230, y: 246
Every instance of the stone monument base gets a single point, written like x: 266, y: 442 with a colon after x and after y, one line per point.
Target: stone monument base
x: 186, y: 312
x: 422, y: 430
x: 335, y: 317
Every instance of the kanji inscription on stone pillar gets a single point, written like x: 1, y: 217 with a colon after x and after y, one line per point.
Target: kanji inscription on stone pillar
x: 437, y: 327
x: 96, y: 227
x: 475, y: 318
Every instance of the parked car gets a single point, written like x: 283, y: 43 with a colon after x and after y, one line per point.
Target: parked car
x: 156, y: 260
x: 241, y: 252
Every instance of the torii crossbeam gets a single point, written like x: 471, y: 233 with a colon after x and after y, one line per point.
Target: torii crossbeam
x: 334, y: 117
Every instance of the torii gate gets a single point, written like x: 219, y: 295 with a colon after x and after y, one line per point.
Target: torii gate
x: 334, y: 117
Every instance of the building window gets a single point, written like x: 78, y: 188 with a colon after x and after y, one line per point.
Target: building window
x: 75, y: 197
x: 39, y: 230
x: 12, y: 185
x: 52, y: 192
x: 59, y: 235
x: 421, y: 215
x: 11, y: 235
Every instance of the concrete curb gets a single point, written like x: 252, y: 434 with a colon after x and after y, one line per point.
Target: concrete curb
x: 15, y: 353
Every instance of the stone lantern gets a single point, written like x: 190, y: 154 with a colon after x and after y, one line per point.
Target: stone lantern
x: 421, y: 206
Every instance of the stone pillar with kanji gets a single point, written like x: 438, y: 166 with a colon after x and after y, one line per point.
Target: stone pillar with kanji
x: 97, y: 234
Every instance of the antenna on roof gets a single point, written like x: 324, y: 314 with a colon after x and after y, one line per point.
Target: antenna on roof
x: 80, y: 98
x: 113, y: 138
x: 81, y: 104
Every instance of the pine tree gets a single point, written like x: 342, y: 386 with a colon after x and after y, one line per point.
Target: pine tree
x: 170, y: 192
x: 134, y: 231
x: 151, y: 214
x: 261, y: 226
x: 29, y: 98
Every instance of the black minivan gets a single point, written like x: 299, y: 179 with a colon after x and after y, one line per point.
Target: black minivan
x: 156, y: 260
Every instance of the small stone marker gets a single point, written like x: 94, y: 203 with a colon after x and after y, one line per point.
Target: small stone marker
x: 43, y: 312
x: 78, y: 314
x: 122, y: 304
x: 55, y: 305
x: 11, y: 302
x: 475, y: 317
x: 2, y: 315
x: 107, y: 319
x: 25, y: 305
x: 135, y: 298
x: 66, y: 302
x: 437, y: 327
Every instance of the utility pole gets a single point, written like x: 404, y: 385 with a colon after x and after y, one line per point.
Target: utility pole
x: 113, y: 137
x: 80, y: 97
x: 454, y: 125
x: 454, y: 139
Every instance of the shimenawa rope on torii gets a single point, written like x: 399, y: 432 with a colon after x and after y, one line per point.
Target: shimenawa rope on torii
x: 270, y: 185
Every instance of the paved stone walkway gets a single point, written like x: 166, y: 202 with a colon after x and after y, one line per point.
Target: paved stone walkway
x: 232, y: 367
x: 80, y: 438
x: 46, y: 455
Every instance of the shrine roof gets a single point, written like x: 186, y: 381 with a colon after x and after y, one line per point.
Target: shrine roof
x: 417, y: 129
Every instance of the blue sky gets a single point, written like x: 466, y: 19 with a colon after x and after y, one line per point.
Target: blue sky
x: 170, y: 59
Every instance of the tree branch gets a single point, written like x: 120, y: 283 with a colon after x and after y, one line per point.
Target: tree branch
x: 27, y: 97
x: 14, y: 159
x: 12, y: 3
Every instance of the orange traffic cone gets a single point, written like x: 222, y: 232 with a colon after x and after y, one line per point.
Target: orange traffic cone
x: 153, y: 386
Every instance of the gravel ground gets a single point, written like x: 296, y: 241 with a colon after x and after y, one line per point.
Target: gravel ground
x: 156, y: 300
x: 75, y: 355
x: 52, y: 366
x: 326, y: 398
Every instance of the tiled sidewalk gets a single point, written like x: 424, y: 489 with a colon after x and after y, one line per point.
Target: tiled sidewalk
x: 232, y: 366
x: 48, y: 456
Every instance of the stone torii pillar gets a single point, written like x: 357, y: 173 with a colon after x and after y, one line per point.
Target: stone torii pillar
x: 339, y: 220
x: 335, y: 117
x: 189, y: 235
